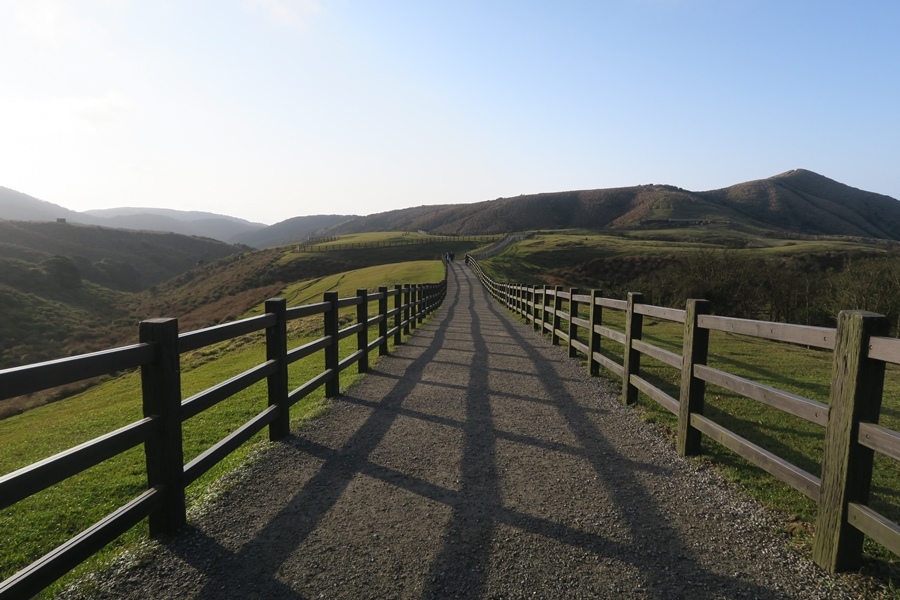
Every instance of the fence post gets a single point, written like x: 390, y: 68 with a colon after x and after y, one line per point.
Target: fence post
x: 632, y: 358
x: 362, y: 336
x: 528, y: 304
x: 413, y: 305
x: 596, y: 318
x: 695, y: 349
x: 543, y: 308
x: 398, y: 314
x: 276, y: 349
x: 161, y: 390
x: 423, y: 298
x: 383, y: 325
x: 542, y: 292
x: 414, y: 302
x: 333, y: 385
x: 407, y: 300
x: 557, y: 322
x: 535, y: 324
x: 856, y: 390
x: 573, y: 329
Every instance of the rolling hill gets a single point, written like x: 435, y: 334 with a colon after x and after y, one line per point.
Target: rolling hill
x: 67, y: 288
x: 115, y: 258
x: 291, y: 231
x: 16, y: 206
x: 798, y: 202
x: 204, y: 224
x: 794, y: 202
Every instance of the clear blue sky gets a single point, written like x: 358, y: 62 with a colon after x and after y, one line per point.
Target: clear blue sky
x: 269, y: 109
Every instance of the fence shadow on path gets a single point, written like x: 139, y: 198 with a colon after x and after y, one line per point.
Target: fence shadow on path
x: 499, y: 528
x: 318, y: 495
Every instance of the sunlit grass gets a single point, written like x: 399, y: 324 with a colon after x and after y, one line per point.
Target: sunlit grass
x: 531, y: 259
x: 40, y: 523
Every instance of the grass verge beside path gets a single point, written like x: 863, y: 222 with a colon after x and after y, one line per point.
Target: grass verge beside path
x: 38, y: 524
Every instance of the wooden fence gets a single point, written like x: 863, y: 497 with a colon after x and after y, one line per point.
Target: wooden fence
x: 852, y: 434
x: 318, y: 246
x: 160, y: 430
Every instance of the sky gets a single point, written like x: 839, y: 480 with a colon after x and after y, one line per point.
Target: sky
x: 271, y: 109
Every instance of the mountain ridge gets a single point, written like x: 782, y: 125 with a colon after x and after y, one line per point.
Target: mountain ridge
x: 794, y: 202
x: 797, y: 201
x: 17, y: 206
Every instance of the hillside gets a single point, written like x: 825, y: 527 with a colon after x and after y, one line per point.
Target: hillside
x: 797, y: 201
x: 225, y: 289
x: 804, y: 202
x: 794, y: 202
x: 204, y: 224
x: 291, y: 231
x: 115, y: 258
x: 66, y: 288
x: 16, y: 206
x: 55, y: 300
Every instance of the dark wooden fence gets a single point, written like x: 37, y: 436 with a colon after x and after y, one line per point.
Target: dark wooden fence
x: 852, y: 434
x: 160, y: 430
x: 319, y: 246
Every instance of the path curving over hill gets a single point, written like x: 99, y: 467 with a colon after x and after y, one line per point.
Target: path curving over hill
x: 477, y: 461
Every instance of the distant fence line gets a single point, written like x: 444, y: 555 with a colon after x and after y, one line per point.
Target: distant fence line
x: 160, y: 430
x: 320, y: 246
x: 861, y: 350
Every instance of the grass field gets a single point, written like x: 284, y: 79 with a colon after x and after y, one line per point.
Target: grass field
x: 38, y: 524
x: 531, y: 260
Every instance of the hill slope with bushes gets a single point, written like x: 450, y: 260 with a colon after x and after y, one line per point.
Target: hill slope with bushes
x: 797, y: 201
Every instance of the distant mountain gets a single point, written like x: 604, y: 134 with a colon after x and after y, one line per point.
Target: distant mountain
x: 218, y: 227
x: 805, y: 202
x: 798, y: 201
x: 290, y: 231
x: 16, y: 206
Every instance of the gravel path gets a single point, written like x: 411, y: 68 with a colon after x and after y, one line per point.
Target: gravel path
x: 477, y: 461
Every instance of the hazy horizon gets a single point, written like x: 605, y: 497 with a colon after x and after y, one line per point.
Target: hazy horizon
x: 270, y: 109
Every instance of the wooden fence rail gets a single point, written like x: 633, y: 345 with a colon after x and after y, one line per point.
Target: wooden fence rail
x: 160, y: 430
x: 852, y: 434
x: 321, y: 245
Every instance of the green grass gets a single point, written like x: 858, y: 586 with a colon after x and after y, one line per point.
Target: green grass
x: 370, y: 278
x: 542, y: 258
x: 42, y: 522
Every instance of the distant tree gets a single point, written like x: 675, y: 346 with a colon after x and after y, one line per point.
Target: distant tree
x: 868, y: 284
x: 740, y: 285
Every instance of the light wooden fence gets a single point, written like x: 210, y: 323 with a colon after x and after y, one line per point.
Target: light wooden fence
x: 160, y: 430
x: 852, y: 435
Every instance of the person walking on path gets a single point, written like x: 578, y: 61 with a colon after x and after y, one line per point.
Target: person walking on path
x: 476, y: 461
